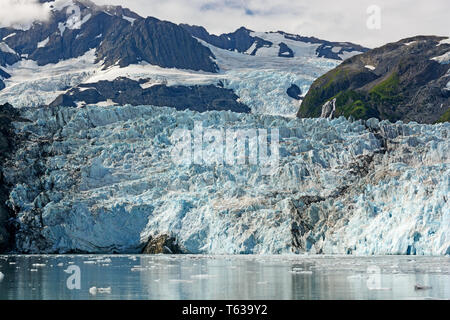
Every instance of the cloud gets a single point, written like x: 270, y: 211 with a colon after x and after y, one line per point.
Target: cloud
x: 22, y: 12
x: 343, y: 20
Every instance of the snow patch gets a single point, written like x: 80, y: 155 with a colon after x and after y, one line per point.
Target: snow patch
x: 410, y: 43
x: 371, y: 68
x: 445, y: 41
x: 43, y: 43
x: 443, y: 59
x: 5, y: 48
x: 131, y: 20
x: 9, y: 36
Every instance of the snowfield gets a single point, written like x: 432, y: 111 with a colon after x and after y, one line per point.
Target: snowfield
x: 102, y: 179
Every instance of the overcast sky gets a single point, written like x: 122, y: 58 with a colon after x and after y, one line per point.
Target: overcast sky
x: 337, y: 20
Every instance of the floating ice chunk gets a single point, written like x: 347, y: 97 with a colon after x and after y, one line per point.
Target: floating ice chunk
x: 379, y: 288
x: 2, y: 276
x: 445, y: 41
x: 202, y: 276
x: 181, y: 281
x: 104, y: 290
x: 305, y: 272
x: 38, y: 265
x: 134, y: 269
x: 94, y: 290
x: 410, y: 43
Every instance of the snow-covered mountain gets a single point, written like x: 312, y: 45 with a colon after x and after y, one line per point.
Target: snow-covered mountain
x: 82, y: 43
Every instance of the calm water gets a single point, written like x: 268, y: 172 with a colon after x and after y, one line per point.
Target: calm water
x: 225, y: 277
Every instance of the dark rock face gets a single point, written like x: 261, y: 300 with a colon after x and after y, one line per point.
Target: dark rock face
x: 156, y: 42
x: 285, y: 51
x: 4, y: 74
x: 7, y: 58
x: 163, y: 244
x: 240, y: 40
x: 7, y: 145
x: 399, y: 81
x: 127, y: 91
x: 294, y: 92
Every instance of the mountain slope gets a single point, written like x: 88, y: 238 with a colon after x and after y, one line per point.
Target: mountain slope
x: 157, y: 42
x: 407, y: 80
x: 120, y: 35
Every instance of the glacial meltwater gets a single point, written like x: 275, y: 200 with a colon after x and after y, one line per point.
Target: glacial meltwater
x: 223, y: 277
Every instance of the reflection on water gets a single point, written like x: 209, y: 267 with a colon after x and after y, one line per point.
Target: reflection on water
x: 225, y: 277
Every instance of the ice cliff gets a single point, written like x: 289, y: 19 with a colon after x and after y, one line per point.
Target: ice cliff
x: 102, y: 179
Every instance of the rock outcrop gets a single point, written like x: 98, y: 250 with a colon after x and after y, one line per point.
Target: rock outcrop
x: 157, y: 42
x: 125, y: 91
x: 163, y: 244
x: 8, y: 144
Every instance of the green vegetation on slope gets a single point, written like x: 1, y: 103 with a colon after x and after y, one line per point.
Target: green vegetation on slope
x: 386, y: 91
x: 445, y: 117
x: 352, y: 104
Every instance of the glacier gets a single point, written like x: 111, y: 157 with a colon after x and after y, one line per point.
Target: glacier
x: 102, y: 180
